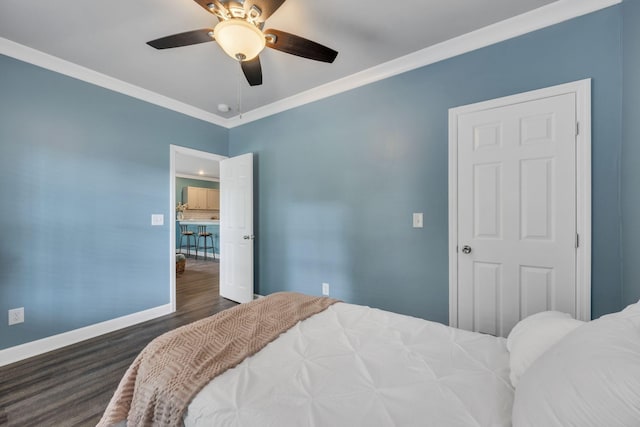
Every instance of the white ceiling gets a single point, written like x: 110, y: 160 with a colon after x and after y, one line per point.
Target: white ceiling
x: 197, y: 167
x: 110, y: 37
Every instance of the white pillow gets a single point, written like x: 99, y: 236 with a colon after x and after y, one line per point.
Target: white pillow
x: 591, y: 378
x: 534, y: 335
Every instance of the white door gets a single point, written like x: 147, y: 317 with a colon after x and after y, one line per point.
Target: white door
x: 236, y: 228
x: 516, y: 213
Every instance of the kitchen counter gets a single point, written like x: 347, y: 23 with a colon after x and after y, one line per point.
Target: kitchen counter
x: 199, y: 221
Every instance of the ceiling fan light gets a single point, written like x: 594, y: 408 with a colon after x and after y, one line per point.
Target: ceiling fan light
x: 239, y: 39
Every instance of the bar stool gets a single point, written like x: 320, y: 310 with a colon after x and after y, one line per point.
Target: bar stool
x: 185, y: 232
x: 203, y: 234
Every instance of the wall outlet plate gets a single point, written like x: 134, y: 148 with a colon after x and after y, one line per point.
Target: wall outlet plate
x: 16, y: 315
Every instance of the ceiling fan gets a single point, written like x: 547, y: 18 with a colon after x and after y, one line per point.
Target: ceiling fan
x: 239, y: 33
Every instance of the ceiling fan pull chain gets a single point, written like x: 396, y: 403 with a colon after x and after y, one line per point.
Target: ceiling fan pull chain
x: 239, y: 93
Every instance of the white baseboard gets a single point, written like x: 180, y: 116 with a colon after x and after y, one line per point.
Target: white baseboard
x: 44, y: 345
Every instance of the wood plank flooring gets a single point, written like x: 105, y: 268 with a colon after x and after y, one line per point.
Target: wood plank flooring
x: 73, y: 385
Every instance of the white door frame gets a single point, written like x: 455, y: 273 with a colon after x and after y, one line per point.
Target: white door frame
x: 582, y: 90
x: 172, y: 209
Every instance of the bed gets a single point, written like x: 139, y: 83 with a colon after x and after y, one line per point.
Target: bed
x: 351, y: 365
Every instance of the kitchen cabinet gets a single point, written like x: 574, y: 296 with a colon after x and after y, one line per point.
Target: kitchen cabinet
x: 201, y: 198
x: 194, y: 197
x: 213, y: 199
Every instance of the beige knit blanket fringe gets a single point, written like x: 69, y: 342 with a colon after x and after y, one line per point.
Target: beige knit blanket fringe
x: 173, y: 368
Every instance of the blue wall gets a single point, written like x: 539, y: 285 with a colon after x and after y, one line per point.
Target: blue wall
x: 337, y: 180
x: 82, y: 169
x: 631, y: 151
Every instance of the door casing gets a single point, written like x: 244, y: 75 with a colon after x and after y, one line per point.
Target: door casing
x: 582, y: 90
x: 173, y: 149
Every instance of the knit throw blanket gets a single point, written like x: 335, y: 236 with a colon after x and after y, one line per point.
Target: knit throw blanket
x: 173, y: 368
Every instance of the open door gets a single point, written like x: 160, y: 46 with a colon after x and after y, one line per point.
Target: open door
x: 236, y: 228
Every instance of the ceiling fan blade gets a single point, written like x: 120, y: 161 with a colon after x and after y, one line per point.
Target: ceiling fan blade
x: 183, y: 39
x: 252, y: 71
x: 299, y: 46
x: 267, y: 7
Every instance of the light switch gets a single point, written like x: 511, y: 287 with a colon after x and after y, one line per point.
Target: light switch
x: 157, y: 219
x: 417, y: 220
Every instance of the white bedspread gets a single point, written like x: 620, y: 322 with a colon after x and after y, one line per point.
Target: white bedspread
x: 356, y: 366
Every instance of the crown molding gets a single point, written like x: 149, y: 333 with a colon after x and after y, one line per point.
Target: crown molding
x: 551, y: 14
x: 58, y: 65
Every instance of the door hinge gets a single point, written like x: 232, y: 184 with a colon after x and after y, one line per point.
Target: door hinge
x: 577, y: 128
x: 577, y: 240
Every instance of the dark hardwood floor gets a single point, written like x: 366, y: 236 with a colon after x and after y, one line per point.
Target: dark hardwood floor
x: 73, y: 385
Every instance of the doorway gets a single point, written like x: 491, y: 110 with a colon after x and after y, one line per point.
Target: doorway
x: 192, y: 166
x: 519, y: 208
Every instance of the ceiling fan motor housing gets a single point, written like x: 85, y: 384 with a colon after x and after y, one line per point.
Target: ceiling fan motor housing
x: 225, y: 9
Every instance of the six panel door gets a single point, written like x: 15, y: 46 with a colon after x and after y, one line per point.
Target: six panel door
x: 236, y: 228
x: 516, y: 213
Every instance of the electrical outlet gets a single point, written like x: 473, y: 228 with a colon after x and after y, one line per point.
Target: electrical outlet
x: 16, y: 315
x: 325, y: 289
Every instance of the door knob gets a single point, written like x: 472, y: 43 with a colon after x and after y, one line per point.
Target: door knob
x: 246, y: 237
x: 466, y: 249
